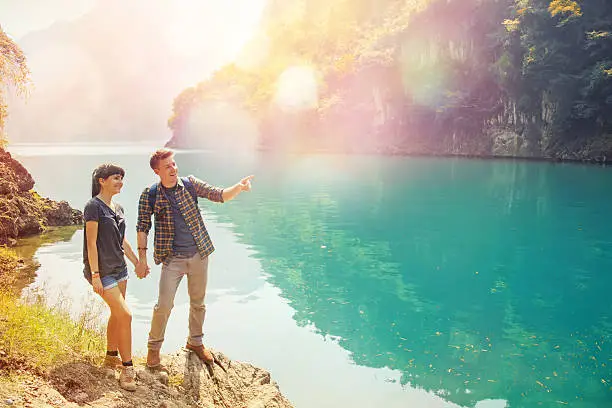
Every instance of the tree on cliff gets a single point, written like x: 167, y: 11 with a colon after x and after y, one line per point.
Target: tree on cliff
x: 13, y: 71
x: 432, y: 76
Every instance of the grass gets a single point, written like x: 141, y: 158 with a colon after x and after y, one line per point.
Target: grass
x: 9, y: 265
x: 36, y: 337
x: 176, y: 380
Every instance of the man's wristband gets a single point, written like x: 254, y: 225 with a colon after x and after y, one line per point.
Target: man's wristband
x: 95, y: 274
x: 142, y: 248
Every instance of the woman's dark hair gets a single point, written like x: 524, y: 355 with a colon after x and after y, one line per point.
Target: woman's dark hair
x: 103, y: 171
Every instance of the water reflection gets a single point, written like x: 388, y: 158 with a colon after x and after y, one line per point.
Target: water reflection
x: 470, y: 278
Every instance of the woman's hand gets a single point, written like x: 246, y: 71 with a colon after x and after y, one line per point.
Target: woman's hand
x: 142, y: 270
x: 96, y: 282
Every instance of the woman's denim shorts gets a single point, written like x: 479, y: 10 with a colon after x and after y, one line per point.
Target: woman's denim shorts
x: 112, y: 280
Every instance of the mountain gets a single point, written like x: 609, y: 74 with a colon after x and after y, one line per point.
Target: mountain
x: 529, y: 78
x: 111, y: 74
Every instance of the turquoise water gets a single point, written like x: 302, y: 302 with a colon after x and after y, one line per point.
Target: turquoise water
x: 365, y: 281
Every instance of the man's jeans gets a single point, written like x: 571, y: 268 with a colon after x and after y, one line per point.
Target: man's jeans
x: 172, y: 273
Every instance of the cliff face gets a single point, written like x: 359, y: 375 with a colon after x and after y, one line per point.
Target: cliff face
x: 438, y: 77
x: 22, y: 211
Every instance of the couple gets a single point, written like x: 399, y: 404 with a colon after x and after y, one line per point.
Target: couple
x: 181, y: 243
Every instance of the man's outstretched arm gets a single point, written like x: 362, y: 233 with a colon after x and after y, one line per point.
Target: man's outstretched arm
x: 232, y: 192
x: 217, y: 194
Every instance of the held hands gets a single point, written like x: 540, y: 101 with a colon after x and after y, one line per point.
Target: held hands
x: 142, y: 270
x: 245, y: 183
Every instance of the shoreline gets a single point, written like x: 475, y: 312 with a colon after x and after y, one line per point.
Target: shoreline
x: 472, y: 156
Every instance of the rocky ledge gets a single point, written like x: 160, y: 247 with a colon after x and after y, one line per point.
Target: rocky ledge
x: 185, y: 383
x: 22, y: 211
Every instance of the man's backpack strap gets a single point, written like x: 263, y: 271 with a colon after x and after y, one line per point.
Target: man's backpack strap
x: 153, y: 196
x: 186, y: 182
x: 191, y: 188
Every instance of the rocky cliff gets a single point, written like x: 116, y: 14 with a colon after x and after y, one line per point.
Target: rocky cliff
x: 22, y: 211
x: 437, y: 77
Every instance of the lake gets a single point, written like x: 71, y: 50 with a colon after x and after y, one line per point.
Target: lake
x: 368, y: 281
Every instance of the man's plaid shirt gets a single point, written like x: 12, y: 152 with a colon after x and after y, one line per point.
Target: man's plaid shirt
x: 164, y: 225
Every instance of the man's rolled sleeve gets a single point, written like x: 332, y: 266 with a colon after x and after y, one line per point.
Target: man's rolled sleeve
x: 205, y: 190
x: 144, y: 213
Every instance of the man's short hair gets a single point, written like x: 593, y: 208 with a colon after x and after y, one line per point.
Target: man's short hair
x: 158, y: 156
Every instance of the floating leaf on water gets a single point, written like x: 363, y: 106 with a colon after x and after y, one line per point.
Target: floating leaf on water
x: 603, y: 381
x: 492, y: 381
x: 555, y: 373
x: 438, y: 333
x: 562, y: 402
x: 556, y: 347
x: 540, y: 384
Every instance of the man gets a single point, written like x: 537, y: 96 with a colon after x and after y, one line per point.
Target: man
x: 181, y: 244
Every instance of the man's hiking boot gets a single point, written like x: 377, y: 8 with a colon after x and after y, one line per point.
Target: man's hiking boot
x: 204, y: 354
x: 127, y: 378
x: 153, y: 359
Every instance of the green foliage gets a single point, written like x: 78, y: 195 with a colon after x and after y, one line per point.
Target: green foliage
x: 13, y: 71
x: 38, y: 337
x: 33, y: 334
x: 443, y: 70
x: 8, y: 267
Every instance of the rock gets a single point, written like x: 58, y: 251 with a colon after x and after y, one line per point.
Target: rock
x: 237, y: 384
x: 60, y: 213
x: 15, y: 173
x: 144, y: 376
x: 163, y: 378
x: 80, y: 397
x: 77, y: 384
x: 23, y: 211
x: 109, y: 373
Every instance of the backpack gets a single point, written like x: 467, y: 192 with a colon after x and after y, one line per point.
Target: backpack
x: 186, y: 182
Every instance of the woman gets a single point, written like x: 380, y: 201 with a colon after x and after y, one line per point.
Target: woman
x: 104, y: 252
